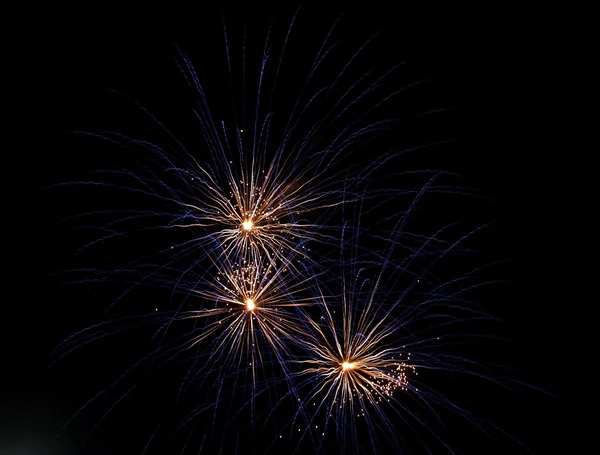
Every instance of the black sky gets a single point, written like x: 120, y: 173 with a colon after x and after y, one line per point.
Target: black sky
x: 482, y: 63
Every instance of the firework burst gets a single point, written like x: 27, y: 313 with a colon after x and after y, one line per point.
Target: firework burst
x: 250, y: 303
x: 378, y: 326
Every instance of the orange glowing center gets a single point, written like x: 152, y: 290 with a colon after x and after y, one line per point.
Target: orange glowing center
x: 348, y: 365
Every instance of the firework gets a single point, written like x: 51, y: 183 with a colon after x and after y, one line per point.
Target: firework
x: 251, y: 302
x: 243, y: 241
x: 376, y: 328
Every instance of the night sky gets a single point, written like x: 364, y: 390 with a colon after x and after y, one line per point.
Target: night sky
x: 479, y: 67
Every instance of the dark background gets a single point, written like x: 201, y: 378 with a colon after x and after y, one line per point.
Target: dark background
x: 486, y: 66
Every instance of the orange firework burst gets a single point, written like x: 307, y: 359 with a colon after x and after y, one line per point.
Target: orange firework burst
x: 251, y: 305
